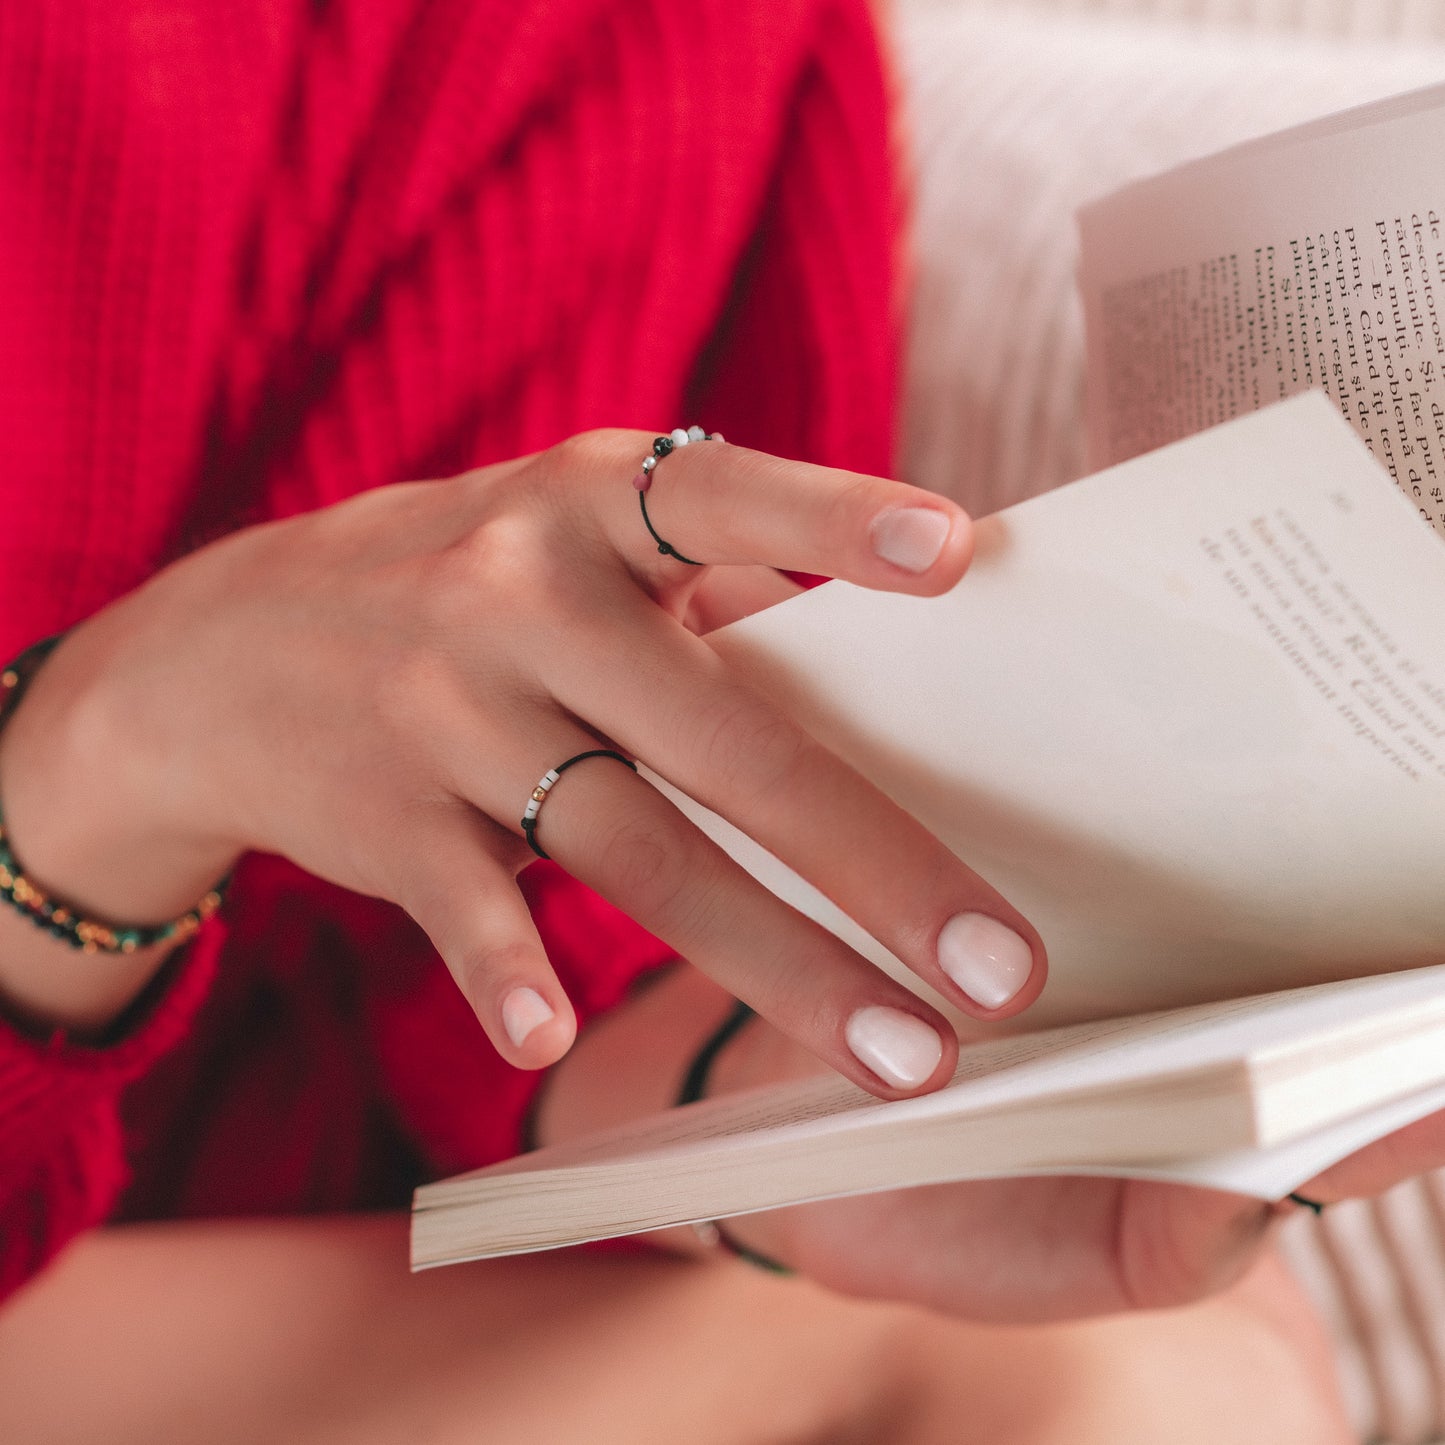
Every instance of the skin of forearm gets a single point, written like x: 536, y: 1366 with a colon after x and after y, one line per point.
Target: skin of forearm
x: 631, y: 1061
x: 82, y: 840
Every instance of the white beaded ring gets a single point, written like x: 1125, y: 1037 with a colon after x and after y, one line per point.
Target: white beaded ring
x: 661, y: 447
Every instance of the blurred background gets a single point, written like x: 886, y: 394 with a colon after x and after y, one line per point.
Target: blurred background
x: 1022, y: 109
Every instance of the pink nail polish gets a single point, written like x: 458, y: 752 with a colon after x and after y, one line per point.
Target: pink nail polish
x: 901, y: 1049
x: 524, y: 1010
x: 911, y: 538
x: 985, y: 958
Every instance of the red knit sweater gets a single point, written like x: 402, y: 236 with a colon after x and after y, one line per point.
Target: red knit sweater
x: 256, y: 258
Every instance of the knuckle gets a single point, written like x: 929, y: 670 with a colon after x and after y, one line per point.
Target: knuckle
x: 706, y: 908
x: 498, y: 565
x: 751, y: 749
x: 486, y: 969
x: 574, y: 454
x: 852, y: 505
x: 759, y: 474
x: 646, y: 856
x: 662, y: 872
x: 656, y: 869
x: 587, y: 455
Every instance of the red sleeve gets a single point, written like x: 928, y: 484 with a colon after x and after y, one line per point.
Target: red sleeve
x: 803, y: 362
x: 62, y: 1151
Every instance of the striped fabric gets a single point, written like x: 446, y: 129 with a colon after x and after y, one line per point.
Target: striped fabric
x: 1017, y: 117
x: 1376, y: 1270
x: 1344, y: 19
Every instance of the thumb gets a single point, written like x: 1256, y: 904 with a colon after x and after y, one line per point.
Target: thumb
x: 1177, y: 1244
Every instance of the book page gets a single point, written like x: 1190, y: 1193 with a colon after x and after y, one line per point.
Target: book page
x: 1311, y: 259
x: 1273, y: 1172
x: 1159, y: 1095
x: 1188, y: 715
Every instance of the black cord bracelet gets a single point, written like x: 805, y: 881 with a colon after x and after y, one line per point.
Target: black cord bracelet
x: 694, y: 1089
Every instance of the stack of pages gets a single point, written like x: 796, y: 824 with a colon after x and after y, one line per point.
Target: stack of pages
x: 1188, y: 714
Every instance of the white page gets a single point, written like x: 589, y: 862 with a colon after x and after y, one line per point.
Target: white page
x: 818, y: 1138
x: 1193, y: 793
x: 1106, y: 1054
x: 1375, y: 112
x: 1315, y: 258
x: 1273, y: 1172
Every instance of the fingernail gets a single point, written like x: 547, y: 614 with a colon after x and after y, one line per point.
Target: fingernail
x: 911, y: 537
x: 523, y: 1010
x: 985, y: 958
x: 902, y: 1050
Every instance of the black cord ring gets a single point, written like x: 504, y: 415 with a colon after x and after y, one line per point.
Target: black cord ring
x: 661, y: 447
x: 539, y: 793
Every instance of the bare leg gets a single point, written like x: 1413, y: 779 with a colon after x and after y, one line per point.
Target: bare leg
x: 312, y: 1332
x: 1251, y: 1367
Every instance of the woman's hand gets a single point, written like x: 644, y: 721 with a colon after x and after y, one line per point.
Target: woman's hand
x: 1023, y: 1251
x: 1032, y: 1250
x: 373, y: 691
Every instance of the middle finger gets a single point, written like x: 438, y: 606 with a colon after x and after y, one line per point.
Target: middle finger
x: 677, y: 706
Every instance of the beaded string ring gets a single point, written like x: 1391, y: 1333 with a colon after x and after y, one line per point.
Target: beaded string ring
x: 31, y: 901
x: 539, y: 793
x: 661, y: 447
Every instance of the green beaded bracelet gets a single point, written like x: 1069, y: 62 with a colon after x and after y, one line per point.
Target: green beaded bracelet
x: 57, y: 918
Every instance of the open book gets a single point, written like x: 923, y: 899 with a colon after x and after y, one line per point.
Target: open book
x: 1188, y: 714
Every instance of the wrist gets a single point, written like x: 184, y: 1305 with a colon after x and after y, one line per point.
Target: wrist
x: 79, y: 811
x: 83, y: 867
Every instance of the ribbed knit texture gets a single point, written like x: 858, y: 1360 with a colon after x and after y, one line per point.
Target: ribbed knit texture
x: 254, y: 259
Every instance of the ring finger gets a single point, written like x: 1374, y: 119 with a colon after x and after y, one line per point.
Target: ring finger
x: 618, y: 834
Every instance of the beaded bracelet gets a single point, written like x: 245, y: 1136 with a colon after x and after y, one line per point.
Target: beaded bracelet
x: 32, y: 902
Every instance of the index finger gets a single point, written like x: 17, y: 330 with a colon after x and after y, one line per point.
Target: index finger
x: 717, y: 502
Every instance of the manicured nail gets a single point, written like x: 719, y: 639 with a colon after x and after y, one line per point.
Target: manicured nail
x: 523, y: 1010
x: 985, y: 958
x: 911, y: 537
x: 902, y: 1050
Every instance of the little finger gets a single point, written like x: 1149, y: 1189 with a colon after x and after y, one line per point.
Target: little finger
x: 456, y: 876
